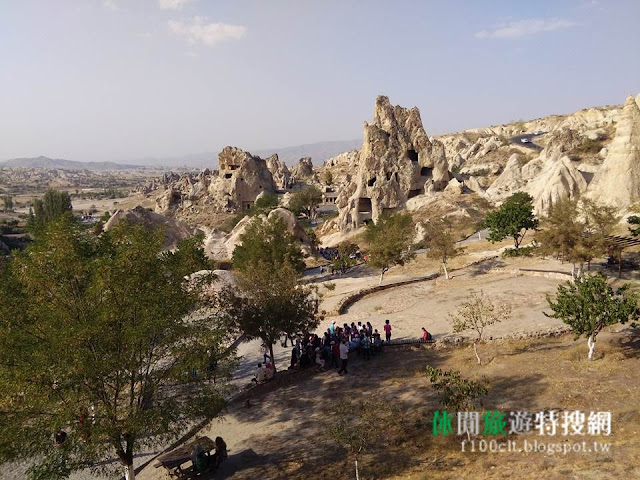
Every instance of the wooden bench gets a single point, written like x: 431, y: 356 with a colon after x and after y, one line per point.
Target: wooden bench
x: 173, y: 461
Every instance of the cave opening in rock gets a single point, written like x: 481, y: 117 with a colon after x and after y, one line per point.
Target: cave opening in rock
x: 413, y: 155
x: 228, y: 175
x: 233, y: 167
x: 364, y: 205
x: 414, y: 193
x: 371, y: 182
x: 425, y: 171
x: 389, y: 176
x: 397, y: 178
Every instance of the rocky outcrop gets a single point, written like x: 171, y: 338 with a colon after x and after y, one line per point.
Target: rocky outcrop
x: 560, y: 180
x: 302, y: 171
x: 397, y: 161
x: 220, y: 247
x: 618, y: 181
x: 241, y: 178
x: 279, y: 172
x: 510, y: 180
x: 174, y: 230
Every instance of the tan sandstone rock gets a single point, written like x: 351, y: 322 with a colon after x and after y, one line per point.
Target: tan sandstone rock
x: 174, y: 230
x: 618, y: 181
x: 396, y: 162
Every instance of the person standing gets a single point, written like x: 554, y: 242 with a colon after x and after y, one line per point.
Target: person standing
x: 365, y: 345
x: 344, y: 356
x: 387, y: 330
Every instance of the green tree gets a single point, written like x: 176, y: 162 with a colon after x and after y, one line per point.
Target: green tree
x: 390, y: 241
x: 269, y: 242
x: 513, y: 219
x: 588, y: 304
x: 346, y: 257
x: 268, y: 301
x: 306, y: 201
x: 577, y: 231
x: 456, y: 393
x: 98, y: 337
x: 563, y: 230
x: 328, y: 177
x: 476, y: 313
x: 50, y: 207
x: 634, y: 225
x: 371, y: 425
x: 266, y: 202
x: 7, y: 200
x: 440, y: 241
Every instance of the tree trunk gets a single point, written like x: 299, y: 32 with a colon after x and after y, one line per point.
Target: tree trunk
x: 591, y: 342
x: 357, y: 475
x: 381, y: 277
x: 129, y: 472
x: 273, y: 360
x: 446, y: 274
x: 475, y: 350
x: 573, y: 271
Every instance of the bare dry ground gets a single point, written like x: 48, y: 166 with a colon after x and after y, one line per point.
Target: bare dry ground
x: 281, y: 435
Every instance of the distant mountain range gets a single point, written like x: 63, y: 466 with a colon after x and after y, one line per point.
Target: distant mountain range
x: 46, y: 162
x: 319, y: 152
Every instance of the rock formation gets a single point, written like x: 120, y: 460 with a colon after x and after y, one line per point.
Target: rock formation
x: 618, y: 181
x: 279, y: 172
x: 397, y: 161
x: 220, y: 247
x: 302, y: 171
x: 174, y: 230
x: 241, y: 178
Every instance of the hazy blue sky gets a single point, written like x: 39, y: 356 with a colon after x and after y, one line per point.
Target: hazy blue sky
x: 124, y: 79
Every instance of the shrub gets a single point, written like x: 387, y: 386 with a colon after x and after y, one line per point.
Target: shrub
x: 529, y: 251
x: 331, y: 286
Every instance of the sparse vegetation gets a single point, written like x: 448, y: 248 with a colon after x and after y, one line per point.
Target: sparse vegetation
x: 330, y: 286
x: 477, y: 313
x: 440, y: 242
x: 456, y: 393
x: 358, y: 426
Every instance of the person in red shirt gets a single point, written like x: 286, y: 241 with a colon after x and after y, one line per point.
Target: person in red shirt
x: 387, y: 330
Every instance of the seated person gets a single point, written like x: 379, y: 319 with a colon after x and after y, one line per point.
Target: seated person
x: 221, y: 452
x: 260, y: 375
x: 199, y: 458
x: 269, y: 370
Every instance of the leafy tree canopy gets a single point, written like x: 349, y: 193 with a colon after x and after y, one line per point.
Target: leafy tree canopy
x: 589, y: 303
x: 268, y: 242
x: 305, y: 201
x: 513, y: 219
x: 98, y: 338
x: 390, y: 240
x: 50, y: 207
x: 268, y: 302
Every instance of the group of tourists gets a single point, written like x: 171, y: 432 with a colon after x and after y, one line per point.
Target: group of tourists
x: 332, y: 349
